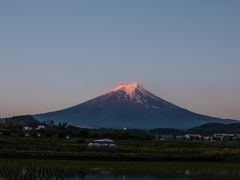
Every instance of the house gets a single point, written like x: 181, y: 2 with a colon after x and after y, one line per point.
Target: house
x: 27, y: 128
x: 165, y: 137
x: 222, y: 136
x: 236, y: 137
x: 207, y: 138
x: 40, y: 127
x: 179, y: 137
x: 102, y: 144
x: 193, y: 137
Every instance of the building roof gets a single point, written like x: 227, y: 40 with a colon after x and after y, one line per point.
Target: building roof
x: 104, y: 140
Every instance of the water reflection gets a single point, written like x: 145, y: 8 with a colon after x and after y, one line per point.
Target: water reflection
x: 58, y: 169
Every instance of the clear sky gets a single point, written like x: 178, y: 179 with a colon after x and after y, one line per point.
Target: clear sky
x: 55, y: 54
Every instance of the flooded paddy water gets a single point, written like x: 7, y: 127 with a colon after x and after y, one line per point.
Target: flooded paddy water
x: 65, y: 169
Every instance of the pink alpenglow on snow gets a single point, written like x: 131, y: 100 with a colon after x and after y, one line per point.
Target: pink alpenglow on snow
x: 130, y: 90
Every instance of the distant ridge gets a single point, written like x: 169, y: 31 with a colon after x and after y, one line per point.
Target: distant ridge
x: 129, y: 105
x: 26, y: 120
x: 210, y: 128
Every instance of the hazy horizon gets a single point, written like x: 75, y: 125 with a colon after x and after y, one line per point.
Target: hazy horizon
x: 56, y: 54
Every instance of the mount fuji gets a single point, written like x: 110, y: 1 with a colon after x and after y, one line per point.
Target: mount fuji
x: 129, y: 105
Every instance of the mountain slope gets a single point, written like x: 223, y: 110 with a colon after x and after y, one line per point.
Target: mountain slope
x: 129, y: 105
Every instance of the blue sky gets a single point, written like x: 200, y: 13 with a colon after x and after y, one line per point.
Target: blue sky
x: 55, y: 54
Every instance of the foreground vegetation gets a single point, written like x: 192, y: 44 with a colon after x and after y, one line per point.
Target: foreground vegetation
x: 148, y: 150
x: 61, y: 141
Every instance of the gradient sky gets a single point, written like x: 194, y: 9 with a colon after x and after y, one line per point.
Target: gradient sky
x: 55, y: 54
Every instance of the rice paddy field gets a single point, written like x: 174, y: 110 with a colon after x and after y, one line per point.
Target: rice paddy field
x: 56, y: 158
x: 66, y: 169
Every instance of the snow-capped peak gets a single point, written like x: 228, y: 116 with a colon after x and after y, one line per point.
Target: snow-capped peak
x: 135, y: 93
x: 127, y: 87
